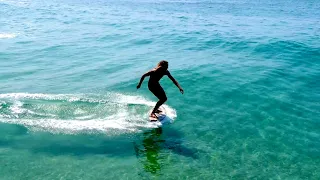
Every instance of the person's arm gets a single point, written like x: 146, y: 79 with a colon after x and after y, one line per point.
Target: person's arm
x: 175, y: 82
x: 142, y: 78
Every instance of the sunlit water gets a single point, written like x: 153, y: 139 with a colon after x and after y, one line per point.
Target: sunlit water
x: 69, y: 108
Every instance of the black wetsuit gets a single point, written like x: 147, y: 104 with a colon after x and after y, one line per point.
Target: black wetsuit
x: 154, y: 85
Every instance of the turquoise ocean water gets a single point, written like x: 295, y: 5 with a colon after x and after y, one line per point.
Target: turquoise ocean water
x: 69, y: 108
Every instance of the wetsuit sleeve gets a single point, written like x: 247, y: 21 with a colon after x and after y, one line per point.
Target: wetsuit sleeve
x: 168, y: 73
x: 148, y: 73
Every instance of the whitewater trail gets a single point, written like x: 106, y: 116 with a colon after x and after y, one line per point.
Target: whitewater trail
x: 78, y: 113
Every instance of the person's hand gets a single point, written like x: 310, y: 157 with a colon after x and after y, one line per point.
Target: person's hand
x: 181, y: 90
x: 139, y: 85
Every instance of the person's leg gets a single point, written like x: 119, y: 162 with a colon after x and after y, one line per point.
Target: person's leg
x: 161, y: 95
x: 159, y: 103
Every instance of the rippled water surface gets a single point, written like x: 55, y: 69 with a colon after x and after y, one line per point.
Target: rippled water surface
x: 69, y: 108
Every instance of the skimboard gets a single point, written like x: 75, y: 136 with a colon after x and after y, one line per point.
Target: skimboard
x: 161, y: 115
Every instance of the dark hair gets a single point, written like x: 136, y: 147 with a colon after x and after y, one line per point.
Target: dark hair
x: 163, y: 63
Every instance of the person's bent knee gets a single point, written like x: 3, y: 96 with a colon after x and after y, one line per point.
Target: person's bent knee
x: 164, y: 99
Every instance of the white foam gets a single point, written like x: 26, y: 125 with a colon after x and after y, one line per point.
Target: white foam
x: 85, y: 117
x: 121, y: 119
x: 114, y: 97
x: 35, y: 96
x: 170, y: 111
x: 7, y: 35
x: 68, y: 126
x: 17, y: 109
x: 134, y: 100
x: 20, y: 3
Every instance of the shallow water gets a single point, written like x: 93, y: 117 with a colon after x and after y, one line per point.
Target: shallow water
x: 69, y: 108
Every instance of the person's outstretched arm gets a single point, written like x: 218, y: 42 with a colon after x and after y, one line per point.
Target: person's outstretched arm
x: 142, y: 78
x: 175, y: 82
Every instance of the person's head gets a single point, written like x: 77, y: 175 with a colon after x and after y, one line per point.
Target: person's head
x: 163, y: 64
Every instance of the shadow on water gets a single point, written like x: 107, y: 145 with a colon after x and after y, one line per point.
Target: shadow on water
x: 151, y: 145
x: 157, y: 145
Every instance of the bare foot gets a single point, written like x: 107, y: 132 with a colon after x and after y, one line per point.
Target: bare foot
x: 158, y: 111
x: 153, y: 115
